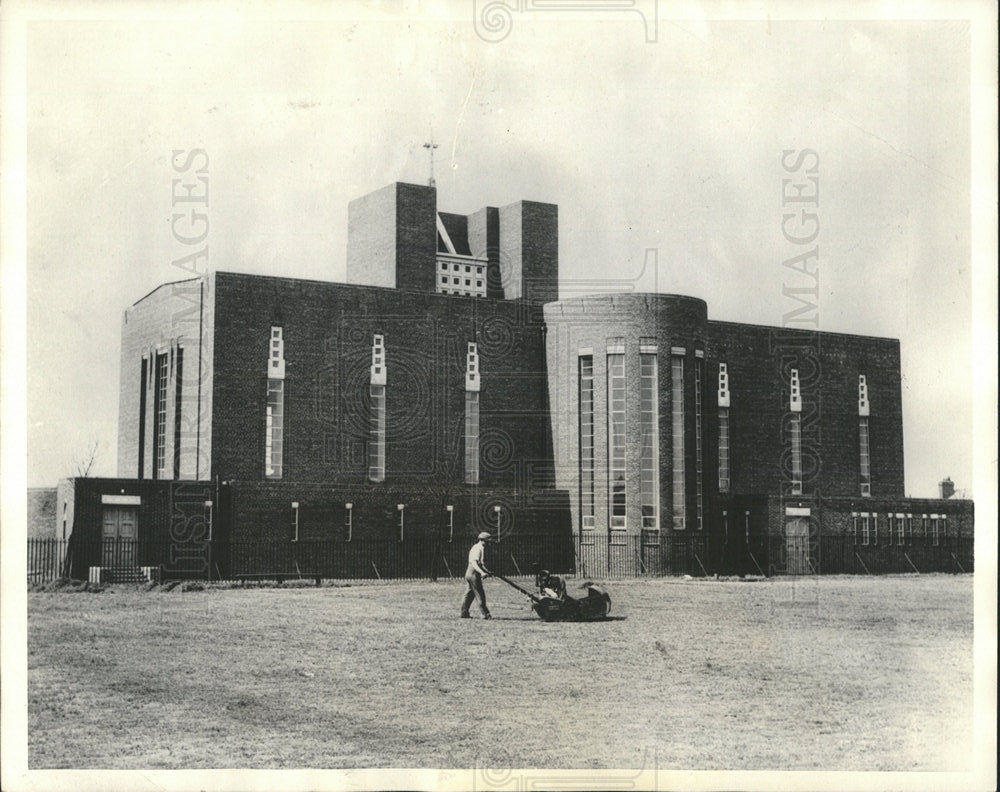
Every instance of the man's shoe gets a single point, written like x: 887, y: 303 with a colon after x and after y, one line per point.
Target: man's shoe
x: 487, y: 616
x: 464, y: 616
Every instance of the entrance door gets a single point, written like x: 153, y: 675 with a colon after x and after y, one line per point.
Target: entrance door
x: 119, y: 535
x: 797, y: 546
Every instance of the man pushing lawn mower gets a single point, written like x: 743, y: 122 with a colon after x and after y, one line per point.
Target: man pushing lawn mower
x: 474, y: 575
x: 552, y: 603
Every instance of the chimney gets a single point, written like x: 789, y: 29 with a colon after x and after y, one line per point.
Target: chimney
x: 947, y: 488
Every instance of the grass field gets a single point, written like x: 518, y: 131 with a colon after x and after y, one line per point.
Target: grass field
x: 834, y: 673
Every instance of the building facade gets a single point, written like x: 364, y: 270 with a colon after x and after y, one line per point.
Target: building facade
x: 446, y: 388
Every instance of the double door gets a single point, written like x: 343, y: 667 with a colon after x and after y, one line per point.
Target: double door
x: 119, y: 534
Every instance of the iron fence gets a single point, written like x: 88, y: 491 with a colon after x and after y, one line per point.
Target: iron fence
x: 416, y: 558
x: 421, y: 558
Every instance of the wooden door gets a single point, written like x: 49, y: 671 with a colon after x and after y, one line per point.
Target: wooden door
x: 797, y: 546
x: 119, y: 534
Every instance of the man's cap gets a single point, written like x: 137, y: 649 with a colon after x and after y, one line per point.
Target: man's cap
x: 484, y: 535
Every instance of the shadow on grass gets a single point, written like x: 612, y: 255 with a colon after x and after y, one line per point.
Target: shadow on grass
x: 559, y: 621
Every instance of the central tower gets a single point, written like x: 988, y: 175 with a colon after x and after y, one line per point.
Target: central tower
x: 398, y: 239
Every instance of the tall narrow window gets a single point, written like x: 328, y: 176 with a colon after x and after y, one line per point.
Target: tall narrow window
x: 795, y: 431
x: 649, y: 463
x: 677, y: 427
x: 143, y: 383
x: 586, y: 441
x: 865, y: 529
x: 866, y: 478
x: 472, y: 414
x: 376, y: 435
x: 274, y: 431
x: 178, y: 392
x: 616, y: 434
x: 890, y: 524
x: 901, y: 529
x: 160, y: 419
x: 935, y: 531
x: 471, y: 437
x: 274, y: 428
x: 863, y: 442
x: 723, y: 428
x: 698, y: 366
x: 854, y: 527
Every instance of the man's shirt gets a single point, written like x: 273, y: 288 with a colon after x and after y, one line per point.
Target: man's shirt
x: 476, y: 559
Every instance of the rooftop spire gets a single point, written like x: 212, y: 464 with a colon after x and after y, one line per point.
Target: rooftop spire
x: 430, y: 147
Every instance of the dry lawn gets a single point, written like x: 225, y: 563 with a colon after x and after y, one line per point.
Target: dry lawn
x: 833, y: 673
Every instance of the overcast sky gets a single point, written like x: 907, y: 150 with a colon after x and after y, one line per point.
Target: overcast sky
x: 673, y: 145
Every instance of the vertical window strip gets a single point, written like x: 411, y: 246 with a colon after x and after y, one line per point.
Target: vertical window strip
x: 677, y: 415
x: 472, y: 385
x: 143, y: 381
x: 796, y: 437
x: 471, y: 437
x: 274, y: 429
x: 616, y: 439
x: 650, y: 430
x: 586, y: 440
x: 901, y: 529
x: 274, y: 410
x: 160, y: 419
x: 723, y: 449
x: 178, y: 393
x: 376, y: 438
x: 865, y: 530
x: 866, y: 479
x: 697, y: 442
x: 376, y: 427
x: 723, y: 401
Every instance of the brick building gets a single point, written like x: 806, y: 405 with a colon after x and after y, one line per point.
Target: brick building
x: 445, y: 388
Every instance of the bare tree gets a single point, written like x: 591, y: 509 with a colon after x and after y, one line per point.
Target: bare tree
x: 85, y: 463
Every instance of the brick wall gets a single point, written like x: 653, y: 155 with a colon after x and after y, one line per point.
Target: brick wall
x: 174, y: 316
x: 484, y: 242
x: 588, y: 323
x: 392, y: 238
x: 171, y: 522
x: 42, y: 509
x: 263, y: 511
x: 328, y: 330
x: 759, y: 360
x: 529, y: 251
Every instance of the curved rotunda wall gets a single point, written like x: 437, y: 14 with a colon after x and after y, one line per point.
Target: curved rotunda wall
x: 636, y: 344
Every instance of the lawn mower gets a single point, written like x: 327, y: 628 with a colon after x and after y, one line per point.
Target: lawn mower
x: 552, y: 603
